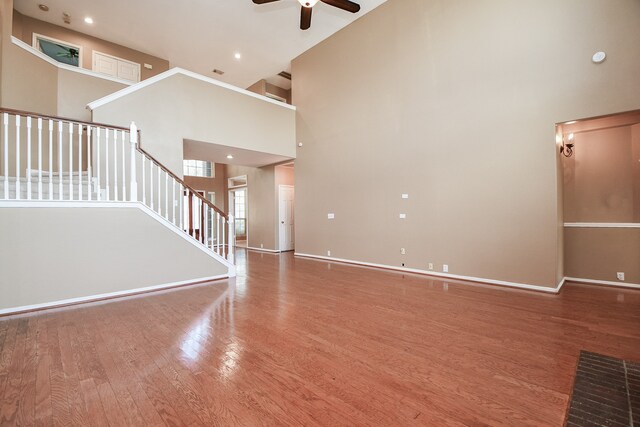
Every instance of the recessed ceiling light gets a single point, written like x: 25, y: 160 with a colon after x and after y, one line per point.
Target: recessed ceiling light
x: 229, y: 156
x: 43, y: 7
x: 237, y: 55
x: 88, y: 20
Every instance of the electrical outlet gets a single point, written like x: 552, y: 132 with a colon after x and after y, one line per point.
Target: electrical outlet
x: 405, y: 196
x: 261, y: 245
x: 403, y: 251
x: 430, y: 266
x: 328, y: 253
x: 403, y: 216
x: 620, y: 276
x: 445, y: 268
x: 331, y: 216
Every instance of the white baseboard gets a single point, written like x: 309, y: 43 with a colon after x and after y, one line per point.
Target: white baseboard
x: 263, y: 250
x: 604, y: 283
x: 109, y: 295
x: 526, y: 286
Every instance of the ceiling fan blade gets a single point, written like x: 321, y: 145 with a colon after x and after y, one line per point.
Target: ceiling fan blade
x: 347, y: 5
x: 264, y: 1
x: 305, y: 18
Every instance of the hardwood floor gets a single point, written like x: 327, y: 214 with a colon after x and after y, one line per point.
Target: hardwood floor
x: 293, y: 341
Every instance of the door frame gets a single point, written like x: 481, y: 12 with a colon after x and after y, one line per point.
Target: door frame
x: 279, y: 220
x: 232, y: 207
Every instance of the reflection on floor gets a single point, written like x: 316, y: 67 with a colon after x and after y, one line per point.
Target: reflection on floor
x: 293, y: 341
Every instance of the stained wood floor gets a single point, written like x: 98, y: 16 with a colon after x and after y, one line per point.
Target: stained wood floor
x: 302, y: 342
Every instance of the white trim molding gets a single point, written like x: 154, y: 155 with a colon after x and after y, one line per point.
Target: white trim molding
x: 16, y: 41
x: 172, y: 72
x: 524, y: 286
x: 271, y: 251
x: 604, y: 283
x: 602, y: 224
x: 110, y: 295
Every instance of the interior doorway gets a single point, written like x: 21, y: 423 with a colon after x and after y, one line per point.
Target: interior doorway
x: 238, y: 208
x: 286, y: 218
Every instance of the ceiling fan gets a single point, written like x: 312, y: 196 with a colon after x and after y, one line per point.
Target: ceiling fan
x: 307, y: 5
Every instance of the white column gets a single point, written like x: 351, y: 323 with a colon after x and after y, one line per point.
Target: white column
x: 60, y: 189
x: 5, y: 121
x: 28, y: 158
x: 133, y: 139
x: 79, y: 161
x: 39, y: 159
x: 18, y: 189
x: 70, y: 161
x: 50, y: 159
x: 232, y: 239
x: 124, y: 164
x: 106, y: 163
x: 151, y: 184
x: 144, y: 184
x: 99, y: 183
x: 89, y: 159
x: 218, y: 243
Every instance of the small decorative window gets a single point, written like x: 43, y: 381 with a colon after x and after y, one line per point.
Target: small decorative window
x: 58, y: 50
x: 200, y: 168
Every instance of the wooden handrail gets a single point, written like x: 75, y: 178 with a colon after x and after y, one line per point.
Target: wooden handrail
x: 138, y: 147
x: 180, y: 181
x: 61, y: 119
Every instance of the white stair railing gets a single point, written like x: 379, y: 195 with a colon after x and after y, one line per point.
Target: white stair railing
x: 94, y: 162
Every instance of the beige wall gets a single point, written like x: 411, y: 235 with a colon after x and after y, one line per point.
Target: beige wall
x: 599, y: 253
x: 453, y: 102
x: 261, y: 221
x: 188, y: 108
x: 24, y: 27
x: 602, y: 184
x: 108, y: 249
x: 29, y: 83
x: 262, y: 87
x: 599, y: 184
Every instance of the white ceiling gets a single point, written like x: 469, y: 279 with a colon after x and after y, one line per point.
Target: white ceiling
x: 216, y: 153
x: 201, y: 35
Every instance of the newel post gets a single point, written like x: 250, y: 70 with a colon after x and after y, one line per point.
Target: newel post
x: 133, y: 138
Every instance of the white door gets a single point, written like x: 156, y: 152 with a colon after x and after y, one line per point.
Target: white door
x: 105, y: 64
x: 285, y: 197
x: 116, y: 67
x: 129, y: 71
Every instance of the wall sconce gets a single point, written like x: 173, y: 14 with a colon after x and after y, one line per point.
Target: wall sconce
x: 566, y: 149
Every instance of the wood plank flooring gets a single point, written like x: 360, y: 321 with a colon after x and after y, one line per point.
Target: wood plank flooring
x: 293, y: 341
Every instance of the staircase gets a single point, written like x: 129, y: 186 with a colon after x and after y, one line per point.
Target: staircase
x: 64, y: 162
x: 55, y: 187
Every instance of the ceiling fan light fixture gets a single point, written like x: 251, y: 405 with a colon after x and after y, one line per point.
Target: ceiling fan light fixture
x: 308, y: 3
